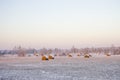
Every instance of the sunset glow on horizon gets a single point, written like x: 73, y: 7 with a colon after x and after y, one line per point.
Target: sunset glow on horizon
x: 59, y: 24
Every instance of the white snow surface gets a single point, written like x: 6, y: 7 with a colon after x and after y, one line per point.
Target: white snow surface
x: 63, y: 68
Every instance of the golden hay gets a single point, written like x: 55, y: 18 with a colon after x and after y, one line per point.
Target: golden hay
x: 36, y: 54
x: 108, y: 54
x: 78, y: 54
x: 86, y: 56
x: 44, y: 58
x: 50, y: 57
x: 69, y: 55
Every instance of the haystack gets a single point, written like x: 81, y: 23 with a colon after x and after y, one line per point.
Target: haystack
x: 44, y: 58
x: 50, y: 57
x: 78, y: 54
x: 69, y: 55
x: 87, y: 56
x: 36, y: 54
x: 108, y: 54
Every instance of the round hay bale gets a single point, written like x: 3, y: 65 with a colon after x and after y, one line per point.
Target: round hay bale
x: 51, y: 57
x: 108, y: 54
x: 44, y: 58
x: 36, y: 54
x: 86, y: 56
x: 78, y: 54
x: 69, y: 55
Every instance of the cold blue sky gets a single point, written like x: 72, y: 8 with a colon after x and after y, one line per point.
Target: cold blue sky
x: 59, y: 23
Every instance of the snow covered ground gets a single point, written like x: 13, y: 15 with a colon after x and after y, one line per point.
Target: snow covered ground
x: 61, y: 68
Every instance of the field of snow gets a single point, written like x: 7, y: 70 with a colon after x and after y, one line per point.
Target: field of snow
x: 61, y: 68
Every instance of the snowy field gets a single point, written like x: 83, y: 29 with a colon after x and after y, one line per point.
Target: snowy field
x: 61, y: 68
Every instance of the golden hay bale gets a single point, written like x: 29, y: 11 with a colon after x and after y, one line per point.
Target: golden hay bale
x: 50, y: 57
x: 44, y: 58
x: 86, y: 56
x: 69, y: 55
x: 108, y: 54
x: 78, y: 54
x: 36, y: 54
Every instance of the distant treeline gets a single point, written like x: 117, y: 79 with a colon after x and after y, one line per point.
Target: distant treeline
x: 101, y: 50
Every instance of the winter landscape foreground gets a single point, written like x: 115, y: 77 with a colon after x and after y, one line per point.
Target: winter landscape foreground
x: 61, y: 68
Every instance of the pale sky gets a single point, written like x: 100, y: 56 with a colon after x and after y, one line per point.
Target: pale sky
x: 59, y: 23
